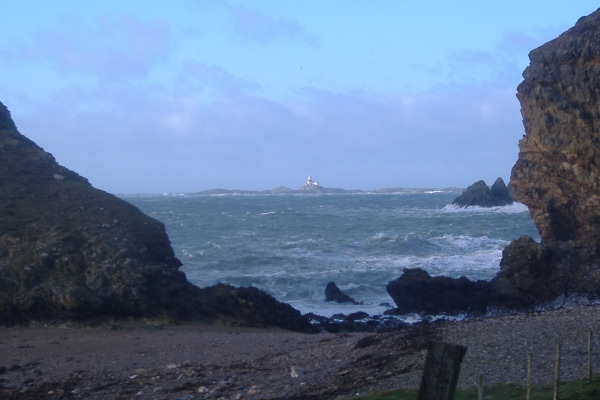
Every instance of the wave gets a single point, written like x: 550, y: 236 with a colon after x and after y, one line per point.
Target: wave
x: 268, y: 213
x: 514, y: 208
x: 383, y: 237
x: 468, y: 243
x: 302, y: 243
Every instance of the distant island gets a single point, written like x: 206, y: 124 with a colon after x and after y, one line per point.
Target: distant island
x: 310, y: 187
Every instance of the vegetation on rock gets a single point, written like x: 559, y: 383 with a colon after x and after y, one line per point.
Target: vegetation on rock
x: 70, y: 251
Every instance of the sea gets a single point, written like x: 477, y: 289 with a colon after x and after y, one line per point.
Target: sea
x: 292, y: 245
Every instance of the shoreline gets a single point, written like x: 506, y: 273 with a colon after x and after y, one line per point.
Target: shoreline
x: 201, y: 361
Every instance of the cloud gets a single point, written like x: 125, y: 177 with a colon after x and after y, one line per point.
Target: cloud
x: 207, y: 127
x: 253, y: 25
x: 136, y: 137
x: 211, y: 81
x: 114, y: 47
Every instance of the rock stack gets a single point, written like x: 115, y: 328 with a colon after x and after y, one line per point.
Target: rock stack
x: 480, y: 194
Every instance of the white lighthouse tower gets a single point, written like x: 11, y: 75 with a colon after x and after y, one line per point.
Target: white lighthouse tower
x: 311, y: 182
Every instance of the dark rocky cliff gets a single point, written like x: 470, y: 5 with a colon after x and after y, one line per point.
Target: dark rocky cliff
x: 70, y: 251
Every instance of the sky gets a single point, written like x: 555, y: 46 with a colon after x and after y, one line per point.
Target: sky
x: 148, y: 96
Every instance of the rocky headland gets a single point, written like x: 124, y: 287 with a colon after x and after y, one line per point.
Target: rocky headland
x: 557, y: 175
x: 69, y: 251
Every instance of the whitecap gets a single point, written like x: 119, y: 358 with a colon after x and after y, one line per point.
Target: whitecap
x: 382, y: 237
x: 465, y: 242
x: 514, y: 208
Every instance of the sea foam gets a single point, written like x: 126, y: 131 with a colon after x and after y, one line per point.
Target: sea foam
x: 292, y: 246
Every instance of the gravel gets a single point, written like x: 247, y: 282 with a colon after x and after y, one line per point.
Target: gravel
x: 191, y: 361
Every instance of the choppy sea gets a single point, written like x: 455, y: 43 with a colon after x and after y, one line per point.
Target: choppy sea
x: 292, y: 245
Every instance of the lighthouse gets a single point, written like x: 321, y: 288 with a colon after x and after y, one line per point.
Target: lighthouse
x: 311, y: 182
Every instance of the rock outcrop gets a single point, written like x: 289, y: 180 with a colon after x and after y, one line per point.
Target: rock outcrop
x: 479, y: 194
x: 70, y: 251
x: 416, y: 291
x: 333, y: 293
x: 557, y: 175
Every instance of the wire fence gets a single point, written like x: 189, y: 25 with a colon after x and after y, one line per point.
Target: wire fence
x: 585, y: 361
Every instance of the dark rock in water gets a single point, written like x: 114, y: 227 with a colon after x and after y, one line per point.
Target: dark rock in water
x: 417, y: 292
x: 479, y: 194
x: 501, y: 193
x: 69, y: 251
x: 333, y: 293
x: 355, y: 322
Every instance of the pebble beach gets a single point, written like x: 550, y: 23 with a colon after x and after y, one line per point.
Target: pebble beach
x: 191, y: 361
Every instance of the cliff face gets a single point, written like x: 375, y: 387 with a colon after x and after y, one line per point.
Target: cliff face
x: 557, y: 174
x: 70, y: 251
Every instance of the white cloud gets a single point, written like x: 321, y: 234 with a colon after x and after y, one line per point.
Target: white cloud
x: 148, y: 138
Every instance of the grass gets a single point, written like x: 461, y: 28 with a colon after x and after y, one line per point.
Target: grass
x: 573, y: 390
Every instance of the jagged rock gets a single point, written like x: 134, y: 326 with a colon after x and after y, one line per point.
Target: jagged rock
x: 248, y: 306
x: 333, y: 293
x: 526, y: 276
x: 479, y: 194
x: 501, y: 193
x: 417, y: 292
x: 70, y: 251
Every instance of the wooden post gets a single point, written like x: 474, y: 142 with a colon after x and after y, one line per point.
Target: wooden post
x: 480, y: 387
x: 589, y: 369
x: 440, y: 375
x: 557, y: 373
x: 528, y: 383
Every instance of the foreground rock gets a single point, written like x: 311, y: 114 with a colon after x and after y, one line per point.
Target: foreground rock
x: 557, y: 175
x: 417, y: 291
x: 479, y: 194
x: 69, y: 251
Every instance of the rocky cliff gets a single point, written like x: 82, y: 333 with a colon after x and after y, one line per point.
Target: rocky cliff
x: 557, y: 175
x: 70, y: 251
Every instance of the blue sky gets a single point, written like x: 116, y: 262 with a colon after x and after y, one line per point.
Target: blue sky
x: 187, y: 95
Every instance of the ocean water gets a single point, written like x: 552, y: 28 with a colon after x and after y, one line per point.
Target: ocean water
x: 292, y: 245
